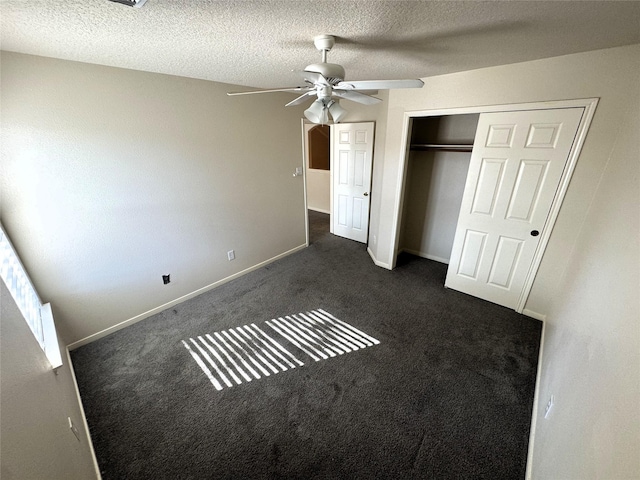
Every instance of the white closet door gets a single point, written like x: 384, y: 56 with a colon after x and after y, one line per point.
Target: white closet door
x: 515, y: 170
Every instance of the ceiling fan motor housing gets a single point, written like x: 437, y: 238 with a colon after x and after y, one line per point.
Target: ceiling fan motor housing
x: 333, y: 72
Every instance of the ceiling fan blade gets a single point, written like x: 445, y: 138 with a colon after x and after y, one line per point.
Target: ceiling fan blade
x: 271, y: 90
x: 313, y: 77
x: 301, y: 99
x: 379, y: 84
x: 356, y: 97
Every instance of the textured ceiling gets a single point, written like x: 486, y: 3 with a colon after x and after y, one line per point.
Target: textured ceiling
x: 258, y: 43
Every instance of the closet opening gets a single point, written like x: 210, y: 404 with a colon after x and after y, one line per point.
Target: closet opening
x: 436, y: 172
x: 487, y: 213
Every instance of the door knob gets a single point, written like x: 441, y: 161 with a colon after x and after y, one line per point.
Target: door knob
x: 535, y: 233
x: 366, y: 194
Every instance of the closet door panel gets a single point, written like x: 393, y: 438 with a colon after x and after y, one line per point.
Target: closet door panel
x: 516, y: 167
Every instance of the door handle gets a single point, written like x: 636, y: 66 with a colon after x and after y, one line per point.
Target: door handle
x: 366, y: 194
x: 535, y: 233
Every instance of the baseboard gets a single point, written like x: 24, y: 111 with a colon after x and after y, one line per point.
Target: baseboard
x: 376, y: 261
x: 536, y: 401
x: 84, y: 417
x: 320, y: 210
x: 184, y: 298
x: 536, y: 315
x: 426, y: 255
x: 412, y: 252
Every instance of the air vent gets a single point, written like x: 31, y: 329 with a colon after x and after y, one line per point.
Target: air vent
x: 130, y: 3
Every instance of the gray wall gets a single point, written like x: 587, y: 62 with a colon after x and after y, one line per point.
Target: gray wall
x: 112, y: 178
x: 35, y: 438
x: 433, y: 194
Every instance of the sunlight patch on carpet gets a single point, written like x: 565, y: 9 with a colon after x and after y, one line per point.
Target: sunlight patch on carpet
x: 242, y: 354
x: 321, y: 335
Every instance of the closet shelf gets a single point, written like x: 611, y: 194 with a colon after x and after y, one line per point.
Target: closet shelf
x: 441, y: 146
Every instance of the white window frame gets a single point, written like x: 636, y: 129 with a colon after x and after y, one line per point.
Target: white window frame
x: 38, y: 316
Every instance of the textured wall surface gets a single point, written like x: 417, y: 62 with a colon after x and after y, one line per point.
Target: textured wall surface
x: 112, y: 178
x: 591, y: 361
x: 35, y: 438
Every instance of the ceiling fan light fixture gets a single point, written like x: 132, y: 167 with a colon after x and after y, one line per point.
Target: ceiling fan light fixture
x: 336, y: 111
x: 317, y: 113
x: 320, y: 110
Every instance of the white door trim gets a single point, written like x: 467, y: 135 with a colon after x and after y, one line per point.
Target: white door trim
x: 304, y: 180
x: 589, y: 105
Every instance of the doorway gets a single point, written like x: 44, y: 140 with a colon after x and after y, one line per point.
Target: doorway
x: 317, y: 163
x: 338, y: 170
x: 437, y: 166
x: 318, y: 166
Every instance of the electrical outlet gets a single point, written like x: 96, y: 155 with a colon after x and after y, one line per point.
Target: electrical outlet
x: 231, y: 255
x: 547, y: 409
x: 374, y: 239
x: 73, y: 428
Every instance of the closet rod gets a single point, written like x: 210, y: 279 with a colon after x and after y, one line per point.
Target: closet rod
x: 440, y: 146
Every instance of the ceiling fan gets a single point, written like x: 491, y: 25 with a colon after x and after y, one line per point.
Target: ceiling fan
x: 326, y: 82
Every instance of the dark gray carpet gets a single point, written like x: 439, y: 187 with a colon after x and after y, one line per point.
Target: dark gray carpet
x: 447, y: 393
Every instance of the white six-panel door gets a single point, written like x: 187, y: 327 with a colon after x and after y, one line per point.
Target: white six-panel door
x: 515, y: 170
x: 351, y: 162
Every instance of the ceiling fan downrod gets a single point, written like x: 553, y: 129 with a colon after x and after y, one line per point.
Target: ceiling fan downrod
x: 332, y: 72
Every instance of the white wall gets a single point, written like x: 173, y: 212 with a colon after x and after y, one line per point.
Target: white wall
x: 35, y: 438
x: 318, y: 190
x: 318, y: 181
x: 587, y: 284
x: 591, y: 358
x: 112, y: 178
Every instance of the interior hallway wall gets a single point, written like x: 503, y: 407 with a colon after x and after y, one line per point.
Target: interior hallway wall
x: 318, y: 181
x: 112, y: 178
